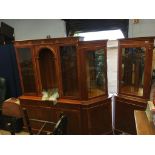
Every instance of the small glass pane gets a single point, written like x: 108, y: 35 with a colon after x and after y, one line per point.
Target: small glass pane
x: 27, y: 72
x: 69, y: 70
x: 132, y: 77
x: 95, y: 70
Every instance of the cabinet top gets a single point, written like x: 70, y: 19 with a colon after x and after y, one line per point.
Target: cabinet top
x: 145, y: 40
x: 64, y: 40
x: 49, y: 40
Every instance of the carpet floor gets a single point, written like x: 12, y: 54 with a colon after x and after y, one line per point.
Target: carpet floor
x: 4, y: 132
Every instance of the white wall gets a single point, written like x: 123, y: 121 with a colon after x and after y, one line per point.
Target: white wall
x: 40, y: 28
x: 36, y: 28
x: 145, y: 27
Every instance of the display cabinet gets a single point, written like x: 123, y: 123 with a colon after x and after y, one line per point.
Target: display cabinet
x: 77, y: 71
x: 134, y: 80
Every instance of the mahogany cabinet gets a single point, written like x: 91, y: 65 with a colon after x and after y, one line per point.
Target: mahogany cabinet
x: 134, y: 80
x: 77, y: 70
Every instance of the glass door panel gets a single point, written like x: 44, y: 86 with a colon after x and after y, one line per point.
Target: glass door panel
x: 132, y: 71
x: 27, y: 71
x: 95, y: 71
x: 68, y: 57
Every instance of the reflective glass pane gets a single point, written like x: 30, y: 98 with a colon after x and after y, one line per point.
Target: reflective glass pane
x: 95, y: 69
x: 132, y: 77
x: 69, y: 70
x: 27, y: 72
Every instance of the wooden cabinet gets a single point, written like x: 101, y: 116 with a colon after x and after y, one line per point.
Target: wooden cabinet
x: 134, y: 80
x: 77, y: 70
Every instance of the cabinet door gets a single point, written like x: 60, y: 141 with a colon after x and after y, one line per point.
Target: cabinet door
x: 39, y: 113
x: 68, y: 59
x: 135, y: 64
x: 124, y: 115
x: 93, y: 69
x: 97, y: 119
x: 26, y: 69
x: 132, y: 70
x: 74, y: 119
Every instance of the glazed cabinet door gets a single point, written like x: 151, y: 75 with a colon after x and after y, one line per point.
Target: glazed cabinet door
x: 135, y: 68
x: 26, y: 65
x: 69, y: 71
x: 93, y: 69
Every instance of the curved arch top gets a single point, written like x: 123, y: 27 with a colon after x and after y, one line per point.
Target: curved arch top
x: 47, y: 48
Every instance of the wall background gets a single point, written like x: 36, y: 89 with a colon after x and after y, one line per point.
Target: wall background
x: 36, y: 28
x: 145, y: 27
x: 40, y: 28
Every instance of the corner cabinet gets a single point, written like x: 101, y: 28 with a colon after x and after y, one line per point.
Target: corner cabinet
x: 78, y: 71
x: 134, y: 81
